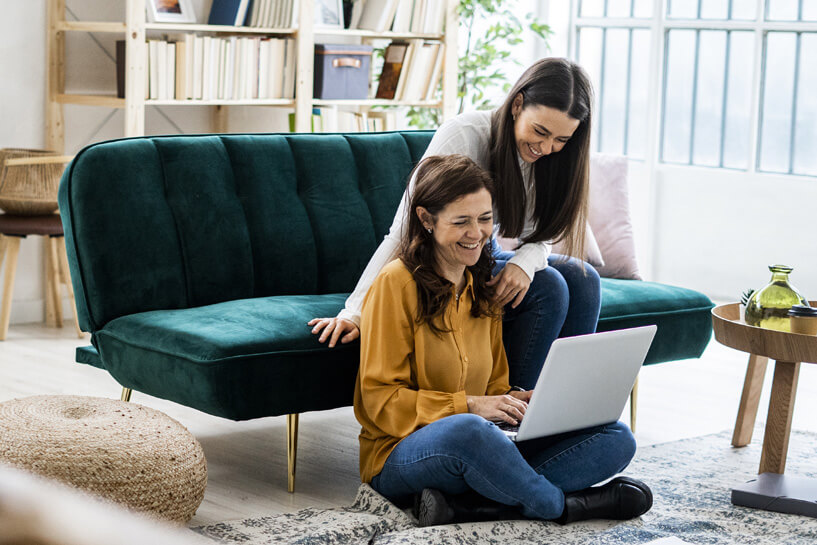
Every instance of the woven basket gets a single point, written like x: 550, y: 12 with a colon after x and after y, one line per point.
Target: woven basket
x: 28, y: 190
x: 133, y: 455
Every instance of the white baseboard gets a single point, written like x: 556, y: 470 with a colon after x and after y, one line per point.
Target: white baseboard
x: 33, y: 310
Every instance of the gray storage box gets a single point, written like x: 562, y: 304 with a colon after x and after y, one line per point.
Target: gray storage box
x: 342, y: 71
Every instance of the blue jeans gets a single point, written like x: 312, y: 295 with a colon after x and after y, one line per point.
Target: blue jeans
x: 562, y: 301
x: 466, y: 452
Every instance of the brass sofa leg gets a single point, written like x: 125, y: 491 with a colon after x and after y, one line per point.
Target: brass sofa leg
x: 633, y: 405
x: 126, y: 392
x: 292, y: 450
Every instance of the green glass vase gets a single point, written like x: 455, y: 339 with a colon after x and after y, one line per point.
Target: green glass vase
x: 769, y: 307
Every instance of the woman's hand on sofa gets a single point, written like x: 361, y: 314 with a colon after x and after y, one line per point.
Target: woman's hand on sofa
x: 334, y: 329
x: 503, y: 408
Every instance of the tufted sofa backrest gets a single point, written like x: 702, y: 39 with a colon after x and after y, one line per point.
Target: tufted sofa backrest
x: 183, y: 221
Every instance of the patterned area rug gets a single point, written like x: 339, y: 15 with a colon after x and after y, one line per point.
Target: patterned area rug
x: 690, y: 479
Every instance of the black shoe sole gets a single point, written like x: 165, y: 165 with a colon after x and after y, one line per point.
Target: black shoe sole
x: 433, y: 509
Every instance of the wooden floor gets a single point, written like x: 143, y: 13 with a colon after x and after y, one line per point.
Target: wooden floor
x: 247, y: 460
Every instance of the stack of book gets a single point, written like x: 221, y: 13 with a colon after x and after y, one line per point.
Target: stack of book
x: 210, y: 68
x: 254, y: 13
x: 418, y: 16
x: 411, y: 71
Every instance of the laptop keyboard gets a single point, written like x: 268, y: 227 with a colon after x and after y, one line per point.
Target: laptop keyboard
x: 504, y: 426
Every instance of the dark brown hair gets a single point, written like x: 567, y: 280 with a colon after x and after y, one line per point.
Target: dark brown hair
x: 561, y: 179
x: 439, y: 181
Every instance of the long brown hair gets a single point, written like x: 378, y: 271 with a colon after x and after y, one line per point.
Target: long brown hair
x: 561, y: 178
x: 439, y: 181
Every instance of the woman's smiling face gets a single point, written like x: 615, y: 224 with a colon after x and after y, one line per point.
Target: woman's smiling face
x: 540, y: 130
x: 460, y: 231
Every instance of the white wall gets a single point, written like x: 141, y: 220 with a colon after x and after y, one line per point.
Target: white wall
x: 716, y: 231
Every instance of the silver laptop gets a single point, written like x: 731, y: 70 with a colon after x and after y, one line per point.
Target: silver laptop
x: 584, y: 382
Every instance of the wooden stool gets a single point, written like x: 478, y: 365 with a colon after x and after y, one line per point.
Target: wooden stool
x: 15, y: 228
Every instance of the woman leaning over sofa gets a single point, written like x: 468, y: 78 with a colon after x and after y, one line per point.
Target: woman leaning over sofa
x: 536, y: 147
x: 434, y: 377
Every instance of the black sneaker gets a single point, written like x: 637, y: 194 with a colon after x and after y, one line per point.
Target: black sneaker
x: 431, y: 508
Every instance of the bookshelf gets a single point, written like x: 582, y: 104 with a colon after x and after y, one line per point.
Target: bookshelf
x: 136, y: 30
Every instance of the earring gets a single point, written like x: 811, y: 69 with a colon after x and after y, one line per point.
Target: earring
x: 514, y: 117
x: 429, y: 230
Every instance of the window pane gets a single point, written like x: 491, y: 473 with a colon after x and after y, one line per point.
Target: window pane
x: 680, y: 74
x: 810, y: 10
x: 714, y: 9
x: 682, y: 9
x: 744, y: 10
x: 590, y: 41
x: 639, y: 88
x: 642, y: 9
x: 618, y: 8
x: 592, y: 8
x: 737, y: 128
x: 805, y: 138
x: 778, y: 88
x: 782, y: 10
x: 611, y: 122
x: 709, y: 99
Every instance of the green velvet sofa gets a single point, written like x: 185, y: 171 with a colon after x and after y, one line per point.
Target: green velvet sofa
x: 198, y: 260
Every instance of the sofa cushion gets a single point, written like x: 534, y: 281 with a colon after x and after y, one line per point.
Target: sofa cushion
x: 682, y: 316
x: 238, y: 359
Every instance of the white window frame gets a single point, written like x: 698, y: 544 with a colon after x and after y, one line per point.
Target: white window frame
x: 656, y: 187
x: 659, y: 26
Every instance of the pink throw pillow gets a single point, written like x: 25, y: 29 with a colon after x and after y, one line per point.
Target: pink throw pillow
x: 592, y: 253
x: 609, y: 216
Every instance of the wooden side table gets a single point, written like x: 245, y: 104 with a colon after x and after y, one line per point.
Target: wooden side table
x: 788, y: 350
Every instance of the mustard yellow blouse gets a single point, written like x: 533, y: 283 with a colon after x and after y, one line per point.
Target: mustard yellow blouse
x: 409, y: 376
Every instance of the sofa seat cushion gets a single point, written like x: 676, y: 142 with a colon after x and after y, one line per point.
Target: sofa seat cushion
x: 239, y: 359
x: 682, y: 316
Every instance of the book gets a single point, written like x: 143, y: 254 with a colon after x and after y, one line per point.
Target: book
x: 357, y: 12
x: 404, y: 72
x: 377, y: 15
x: 392, y: 65
x: 170, y: 74
x: 434, y: 17
x: 228, y: 12
x: 198, y: 67
x: 252, y: 18
x: 189, y: 49
x: 417, y: 16
x: 436, y: 74
x: 402, y: 17
x: 276, y: 68
x: 422, y: 64
x: 290, y: 57
x: 153, y: 68
x: 120, y: 68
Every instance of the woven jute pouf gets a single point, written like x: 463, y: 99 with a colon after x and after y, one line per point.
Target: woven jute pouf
x: 130, y: 454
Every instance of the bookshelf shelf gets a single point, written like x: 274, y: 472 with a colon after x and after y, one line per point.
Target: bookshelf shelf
x: 281, y: 102
x: 372, y: 35
x: 224, y: 29
x: 378, y: 102
x: 109, y: 101
x: 91, y: 26
x: 135, y: 30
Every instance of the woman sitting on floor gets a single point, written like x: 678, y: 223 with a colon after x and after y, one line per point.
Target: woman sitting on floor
x: 433, y: 380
